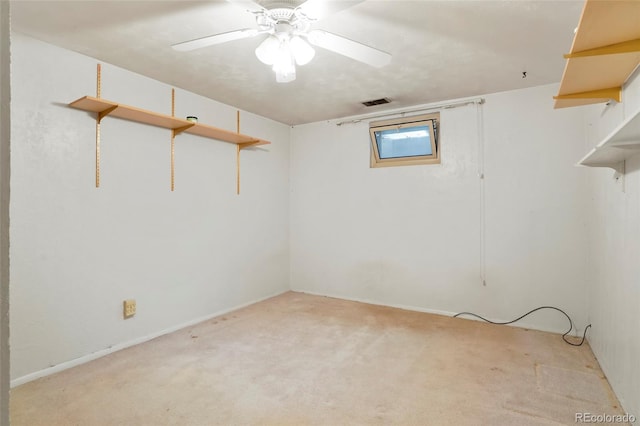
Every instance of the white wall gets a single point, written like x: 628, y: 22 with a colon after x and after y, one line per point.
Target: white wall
x: 615, y: 256
x: 77, y: 252
x: 5, y: 126
x: 411, y: 236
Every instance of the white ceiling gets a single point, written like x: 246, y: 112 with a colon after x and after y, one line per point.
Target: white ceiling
x: 441, y: 50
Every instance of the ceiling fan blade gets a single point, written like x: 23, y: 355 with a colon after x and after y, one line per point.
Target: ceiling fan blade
x: 247, y: 5
x: 318, y: 9
x: 352, y: 49
x: 215, y: 39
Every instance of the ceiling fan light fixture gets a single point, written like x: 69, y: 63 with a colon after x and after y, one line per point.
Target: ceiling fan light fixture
x: 283, y: 63
x: 302, y: 51
x: 285, y: 77
x: 267, y: 51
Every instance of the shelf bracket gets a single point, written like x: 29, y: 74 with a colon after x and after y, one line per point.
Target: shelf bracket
x: 619, y: 169
x: 249, y: 144
x: 103, y: 114
x: 179, y: 130
x: 614, y: 93
x: 629, y: 46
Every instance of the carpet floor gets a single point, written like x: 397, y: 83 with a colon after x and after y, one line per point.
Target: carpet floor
x: 298, y: 359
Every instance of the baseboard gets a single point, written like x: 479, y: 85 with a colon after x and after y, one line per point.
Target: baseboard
x: 99, y: 354
x: 111, y: 349
x: 526, y: 325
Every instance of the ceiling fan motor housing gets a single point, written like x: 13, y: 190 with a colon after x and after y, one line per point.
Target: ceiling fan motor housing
x: 281, y: 15
x: 282, y: 20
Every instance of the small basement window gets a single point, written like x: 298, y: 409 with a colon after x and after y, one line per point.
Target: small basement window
x: 405, y: 141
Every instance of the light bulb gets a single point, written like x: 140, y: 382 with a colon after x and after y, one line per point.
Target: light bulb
x: 285, y: 77
x: 268, y: 49
x: 283, y: 63
x: 302, y: 51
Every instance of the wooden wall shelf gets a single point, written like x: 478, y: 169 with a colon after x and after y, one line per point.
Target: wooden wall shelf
x: 622, y: 143
x: 109, y: 108
x: 605, y: 51
x: 103, y: 108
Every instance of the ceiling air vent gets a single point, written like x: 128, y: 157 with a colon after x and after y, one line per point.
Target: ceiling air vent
x: 374, y: 102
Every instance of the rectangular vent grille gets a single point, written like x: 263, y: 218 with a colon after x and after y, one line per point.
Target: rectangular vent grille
x: 374, y: 102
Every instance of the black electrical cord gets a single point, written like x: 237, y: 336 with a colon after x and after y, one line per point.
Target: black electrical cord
x: 564, y: 336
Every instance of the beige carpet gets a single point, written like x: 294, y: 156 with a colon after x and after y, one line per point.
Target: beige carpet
x: 299, y: 359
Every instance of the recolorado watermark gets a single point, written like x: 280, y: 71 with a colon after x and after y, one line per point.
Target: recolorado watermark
x: 605, y: 418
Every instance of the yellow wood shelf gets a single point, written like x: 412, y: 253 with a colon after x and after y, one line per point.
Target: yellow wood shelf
x: 619, y: 145
x: 605, y: 51
x: 114, y: 109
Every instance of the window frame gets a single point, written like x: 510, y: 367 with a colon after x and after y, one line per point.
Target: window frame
x: 432, y: 121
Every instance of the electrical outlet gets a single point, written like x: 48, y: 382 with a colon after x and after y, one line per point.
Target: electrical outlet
x: 129, y: 308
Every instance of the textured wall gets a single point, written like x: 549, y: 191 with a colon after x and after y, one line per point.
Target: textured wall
x: 77, y: 252
x: 411, y: 236
x: 615, y: 256
x: 5, y: 126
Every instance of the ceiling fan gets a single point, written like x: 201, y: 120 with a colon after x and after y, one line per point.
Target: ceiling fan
x: 287, y: 24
